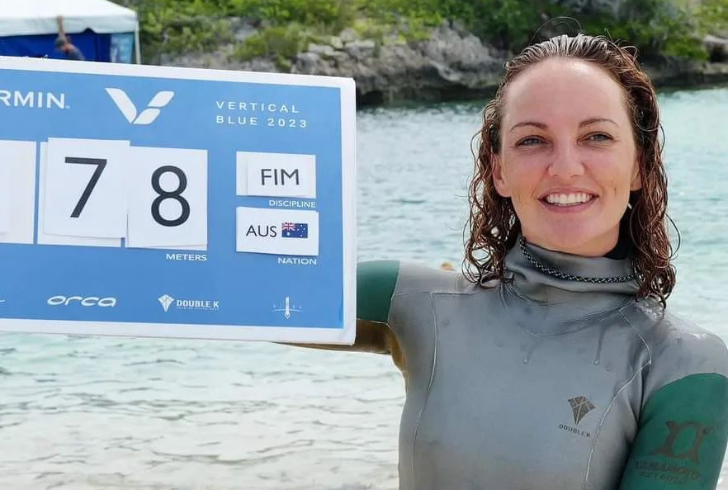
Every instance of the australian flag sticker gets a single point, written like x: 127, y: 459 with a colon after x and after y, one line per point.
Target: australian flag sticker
x: 294, y: 230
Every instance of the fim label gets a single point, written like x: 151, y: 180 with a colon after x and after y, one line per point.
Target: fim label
x: 276, y: 174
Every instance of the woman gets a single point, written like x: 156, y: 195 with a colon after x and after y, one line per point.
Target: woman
x: 553, y: 363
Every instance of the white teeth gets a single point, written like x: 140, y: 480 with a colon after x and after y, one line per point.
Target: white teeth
x: 568, y: 199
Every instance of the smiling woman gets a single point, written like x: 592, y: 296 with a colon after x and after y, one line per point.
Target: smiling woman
x: 614, y: 144
x: 552, y: 361
x: 568, y: 168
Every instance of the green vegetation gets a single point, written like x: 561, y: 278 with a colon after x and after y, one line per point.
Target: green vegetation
x: 170, y: 26
x: 279, y: 43
x: 667, y: 28
x: 658, y: 27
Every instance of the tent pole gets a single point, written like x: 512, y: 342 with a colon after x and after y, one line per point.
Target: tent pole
x: 137, y: 46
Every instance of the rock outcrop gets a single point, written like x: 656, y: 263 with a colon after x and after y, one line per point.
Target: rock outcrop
x: 450, y: 64
x: 717, y: 48
x: 452, y: 61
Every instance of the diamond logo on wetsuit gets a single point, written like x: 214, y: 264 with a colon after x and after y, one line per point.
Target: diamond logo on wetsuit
x: 580, y: 406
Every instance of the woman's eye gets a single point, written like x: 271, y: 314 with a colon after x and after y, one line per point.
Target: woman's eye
x: 599, y: 137
x: 530, y: 141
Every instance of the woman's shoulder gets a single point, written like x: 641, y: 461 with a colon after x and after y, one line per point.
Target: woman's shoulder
x: 686, y: 342
x: 402, y: 277
x: 677, y: 347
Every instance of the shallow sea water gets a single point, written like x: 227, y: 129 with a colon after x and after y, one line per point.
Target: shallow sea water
x: 108, y: 413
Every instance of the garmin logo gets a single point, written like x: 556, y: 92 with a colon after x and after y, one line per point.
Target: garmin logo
x: 36, y: 100
x: 88, y: 301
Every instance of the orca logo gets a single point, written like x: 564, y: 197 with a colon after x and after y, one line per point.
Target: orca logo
x: 129, y: 110
x: 90, y: 301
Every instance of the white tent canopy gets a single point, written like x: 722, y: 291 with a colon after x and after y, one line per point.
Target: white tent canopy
x: 32, y: 17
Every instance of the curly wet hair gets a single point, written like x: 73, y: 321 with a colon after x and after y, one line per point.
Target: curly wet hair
x: 493, y: 225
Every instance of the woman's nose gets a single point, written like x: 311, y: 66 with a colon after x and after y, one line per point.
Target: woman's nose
x: 566, y: 163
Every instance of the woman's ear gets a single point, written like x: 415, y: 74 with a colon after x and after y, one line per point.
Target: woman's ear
x: 499, y: 181
x: 636, y: 178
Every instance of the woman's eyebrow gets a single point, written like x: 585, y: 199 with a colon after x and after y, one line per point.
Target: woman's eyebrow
x: 595, y: 120
x: 586, y: 122
x: 539, y: 125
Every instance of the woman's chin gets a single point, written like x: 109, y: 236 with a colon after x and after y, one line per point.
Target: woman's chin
x: 573, y: 240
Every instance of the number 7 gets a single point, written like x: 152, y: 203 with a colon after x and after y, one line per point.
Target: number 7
x: 101, y: 165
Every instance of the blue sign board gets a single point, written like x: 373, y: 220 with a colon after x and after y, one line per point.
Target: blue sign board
x: 173, y: 202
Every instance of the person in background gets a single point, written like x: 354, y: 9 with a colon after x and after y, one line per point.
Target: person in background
x: 63, y: 44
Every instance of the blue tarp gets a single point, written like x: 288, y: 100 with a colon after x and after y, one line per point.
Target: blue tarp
x: 95, y: 47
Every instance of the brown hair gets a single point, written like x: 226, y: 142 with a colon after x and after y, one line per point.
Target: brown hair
x: 494, y: 226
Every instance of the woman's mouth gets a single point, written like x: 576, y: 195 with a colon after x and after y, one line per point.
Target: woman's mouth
x: 573, y: 201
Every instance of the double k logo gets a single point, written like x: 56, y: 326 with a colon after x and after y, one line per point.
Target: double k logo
x: 580, y: 406
x: 129, y: 110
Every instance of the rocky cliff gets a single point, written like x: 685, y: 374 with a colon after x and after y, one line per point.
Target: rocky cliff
x: 451, y: 63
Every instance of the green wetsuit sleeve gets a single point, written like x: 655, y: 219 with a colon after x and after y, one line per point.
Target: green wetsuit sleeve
x: 375, y: 283
x: 682, y: 436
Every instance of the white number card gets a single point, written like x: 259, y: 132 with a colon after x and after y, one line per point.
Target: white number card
x: 47, y: 239
x: 85, y: 188
x: 5, y: 186
x: 17, y: 191
x: 168, y: 207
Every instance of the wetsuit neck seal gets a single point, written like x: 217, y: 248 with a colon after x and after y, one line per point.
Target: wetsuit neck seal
x: 569, y: 277
x: 555, y: 292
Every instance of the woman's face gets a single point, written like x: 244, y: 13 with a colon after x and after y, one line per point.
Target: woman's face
x: 568, y: 159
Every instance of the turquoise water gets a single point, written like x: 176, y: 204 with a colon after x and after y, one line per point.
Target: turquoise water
x: 93, y: 413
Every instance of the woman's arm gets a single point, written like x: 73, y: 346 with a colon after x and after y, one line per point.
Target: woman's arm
x: 376, y: 281
x: 372, y: 337
x: 682, y: 436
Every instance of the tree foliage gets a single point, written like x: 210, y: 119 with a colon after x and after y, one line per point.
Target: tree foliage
x: 657, y: 27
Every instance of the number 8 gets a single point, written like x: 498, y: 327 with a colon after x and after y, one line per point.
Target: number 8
x: 175, y: 194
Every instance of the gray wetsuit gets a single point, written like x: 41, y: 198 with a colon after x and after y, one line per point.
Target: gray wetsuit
x: 543, y: 383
